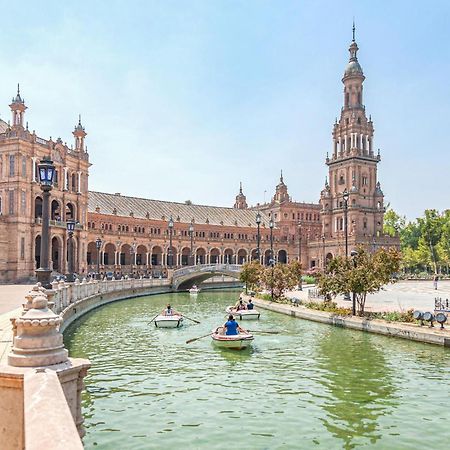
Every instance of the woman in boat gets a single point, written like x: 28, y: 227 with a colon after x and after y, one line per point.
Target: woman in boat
x: 240, y: 306
x: 232, y: 327
x: 169, y: 311
x: 250, y: 305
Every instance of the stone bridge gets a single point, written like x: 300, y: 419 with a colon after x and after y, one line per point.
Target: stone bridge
x: 186, y: 277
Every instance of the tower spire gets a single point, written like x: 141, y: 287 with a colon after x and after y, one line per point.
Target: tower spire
x: 281, y: 176
x: 240, y: 187
x: 353, y: 30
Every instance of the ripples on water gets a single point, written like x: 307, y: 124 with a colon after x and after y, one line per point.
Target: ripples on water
x: 312, y: 386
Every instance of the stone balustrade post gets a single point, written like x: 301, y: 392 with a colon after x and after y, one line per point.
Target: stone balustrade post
x: 38, y: 343
x: 76, y: 290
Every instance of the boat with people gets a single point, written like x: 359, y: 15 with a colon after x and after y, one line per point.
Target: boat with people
x: 194, y: 290
x: 239, y: 341
x: 243, y: 314
x: 164, y: 321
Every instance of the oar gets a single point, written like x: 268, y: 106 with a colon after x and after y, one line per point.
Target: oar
x: 197, y: 338
x: 265, y: 332
x: 153, y: 319
x: 193, y: 320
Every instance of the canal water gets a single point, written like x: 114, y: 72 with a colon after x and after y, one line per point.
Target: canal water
x: 312, y: 386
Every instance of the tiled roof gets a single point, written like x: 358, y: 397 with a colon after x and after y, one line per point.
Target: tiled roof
x: 162, y: 210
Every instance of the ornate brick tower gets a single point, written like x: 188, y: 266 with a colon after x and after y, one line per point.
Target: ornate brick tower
x: 281, y: 191
x: 241, y: 200
x: 352, y: 168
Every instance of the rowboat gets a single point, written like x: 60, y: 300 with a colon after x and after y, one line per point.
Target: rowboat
x: 194, y: 290
x: 244, y: 314
x: 236, y: 342
x: 174, y: 321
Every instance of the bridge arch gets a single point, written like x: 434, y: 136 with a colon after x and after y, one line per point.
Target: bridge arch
x: 188, y: 276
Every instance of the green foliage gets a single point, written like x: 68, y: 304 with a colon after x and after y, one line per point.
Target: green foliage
x: 362, y: 274
x: 281, y: 278
x: 425, y: 242
x: 395, y: 316
x: 251, y: 275
x: 308, y: 279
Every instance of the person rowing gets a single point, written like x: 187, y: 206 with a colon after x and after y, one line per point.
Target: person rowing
x: 232, y: 327
x: 169, y: 311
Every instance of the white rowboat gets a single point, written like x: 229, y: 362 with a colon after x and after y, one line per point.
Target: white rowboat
x: 244, y: 314
x: 194, y: 290
x: 174, y: 321
x: 236, y: 342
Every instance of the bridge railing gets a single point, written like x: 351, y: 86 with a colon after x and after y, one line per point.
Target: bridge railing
x: 207, y: 268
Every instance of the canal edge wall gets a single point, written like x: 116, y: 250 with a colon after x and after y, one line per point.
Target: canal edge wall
x: 400, y: 330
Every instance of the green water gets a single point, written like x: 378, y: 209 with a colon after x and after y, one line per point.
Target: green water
x: 311, y: 387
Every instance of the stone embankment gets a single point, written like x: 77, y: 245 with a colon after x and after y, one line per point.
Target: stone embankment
x: 395, y: 329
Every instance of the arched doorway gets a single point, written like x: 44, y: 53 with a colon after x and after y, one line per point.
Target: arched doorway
x: 200, y: 256
x: 56, y: 254
x: 156, y: 258
x: 254, y: 255
x: 185, y: 256
x: 126, y: 255
x: 37, y: 251
x: 109, y: 254
x: 38, y: 207
x: 141, y: 255
x: 228, y: 256
x: 214, y: 256
x: 171, y: 257
x: 91, y: 254
x: 328, y: 258
x: 282, y: 256
x: 70, y: 212
x: 242, y: 256
x: 55, y: 210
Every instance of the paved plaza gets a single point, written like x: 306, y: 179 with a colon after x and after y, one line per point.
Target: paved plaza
x: 399, y: 296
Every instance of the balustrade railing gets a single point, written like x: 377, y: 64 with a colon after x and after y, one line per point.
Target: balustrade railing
x: 67, y: 293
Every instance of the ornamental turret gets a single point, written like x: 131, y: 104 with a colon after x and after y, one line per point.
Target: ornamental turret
x: 241, y: 200
x: 281, y: 191
x: 79, y: 134
x: 17, y: 109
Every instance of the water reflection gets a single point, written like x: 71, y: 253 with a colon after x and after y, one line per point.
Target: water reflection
x: 359, y: 384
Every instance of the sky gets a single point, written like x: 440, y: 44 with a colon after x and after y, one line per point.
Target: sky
x: 183, y: 99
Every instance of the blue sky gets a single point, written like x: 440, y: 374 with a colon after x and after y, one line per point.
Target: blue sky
x: 184, y: 99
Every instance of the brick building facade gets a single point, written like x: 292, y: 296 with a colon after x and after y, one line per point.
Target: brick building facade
x: 134, y: 231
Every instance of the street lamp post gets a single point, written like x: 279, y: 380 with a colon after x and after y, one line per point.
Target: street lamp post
x: 271, y: 224
x: 300, y: 286
x: 70, y: 229
x: 98, y: 246
x: 46, y: 172
x: 354, y: 254
x: 170, y: 241
x: 258, y: 236
x: 191, y: 234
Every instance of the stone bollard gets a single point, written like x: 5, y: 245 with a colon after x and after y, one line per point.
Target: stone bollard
x: 38, y: 343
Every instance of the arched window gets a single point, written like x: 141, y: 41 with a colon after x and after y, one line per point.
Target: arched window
x: 347, y: 98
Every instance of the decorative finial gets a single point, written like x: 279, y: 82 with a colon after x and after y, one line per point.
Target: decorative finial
x: 281, y: 176
x: 18, y: 89
x: 79, y: 119
x: 27, y: 126
x: 353, y: 30
x: 240, y: 187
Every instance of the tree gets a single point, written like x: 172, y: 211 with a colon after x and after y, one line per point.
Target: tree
x: 251, y: 275
x: 281, y: 278
x: 363, y: 274
x: 393, y: 222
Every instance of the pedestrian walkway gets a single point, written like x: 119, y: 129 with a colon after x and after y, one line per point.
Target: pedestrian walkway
x: 12, y: 296
x: 399, y: 296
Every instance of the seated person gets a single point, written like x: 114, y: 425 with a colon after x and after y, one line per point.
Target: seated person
x: 250, y: 305
x: 240, y: 306
x: 169, y: 311
x: 232, y: 326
